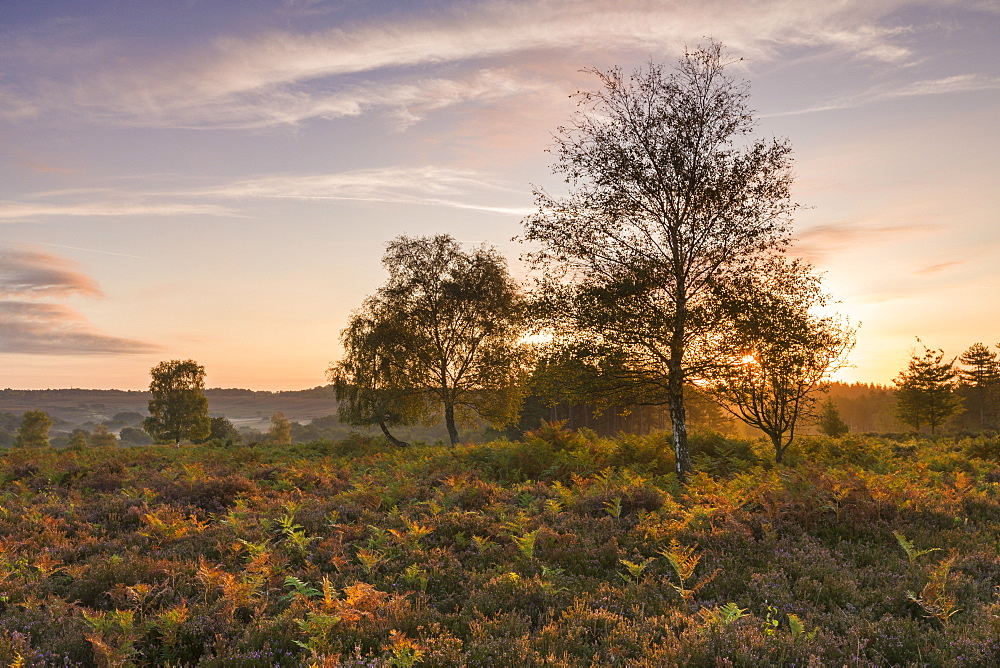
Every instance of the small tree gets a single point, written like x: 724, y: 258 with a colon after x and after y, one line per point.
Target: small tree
x: 178, y: 409
x: 280, y: 432
x: 102, y: 437
x: 830, y: 422
x: 78, y: 440
x: 134, y: 436
x: 925, y: 390
x: 980, y: 384
x: 34, y: 430
x: 776, y: 353
x: 222, y: 431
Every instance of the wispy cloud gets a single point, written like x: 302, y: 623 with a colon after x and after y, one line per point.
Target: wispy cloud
x: 424, y: 185
x: 381, y: 183
x: 22, y: 211
x: 90, y: 250
x: 30, y: 326
x: 938, y: 268
x: 428, y: 185
x: 963, y: 83
x: 405, y: 102
x: 281, y: 77
x: 821, y: 240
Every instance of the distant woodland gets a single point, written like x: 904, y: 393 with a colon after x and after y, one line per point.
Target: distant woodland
x: 866, y: 408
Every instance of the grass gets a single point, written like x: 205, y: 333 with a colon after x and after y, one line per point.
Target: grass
x: 563, y: 550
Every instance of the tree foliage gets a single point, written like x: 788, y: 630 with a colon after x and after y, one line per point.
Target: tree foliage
x: 34, y: 430
x: 280, y: 432
x: 134, y: 436
x: 925, y: 390
x: 774, y: 352
x: 102, y: 437
x: 670, y: 198
x: 221, y: 431
x: 178, y: 409
x: 444, y: 328
x: 371, y: 380
x: 78, y: 440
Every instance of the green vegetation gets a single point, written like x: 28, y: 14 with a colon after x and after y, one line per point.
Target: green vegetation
x: 980, y: 387
x: 565, y: 549
x: 830, y: 423
x: 280, y: 432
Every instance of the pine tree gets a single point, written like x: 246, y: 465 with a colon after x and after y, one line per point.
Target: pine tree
x: 925, y: 391
x: 830, y: 422
x: 980, y: 384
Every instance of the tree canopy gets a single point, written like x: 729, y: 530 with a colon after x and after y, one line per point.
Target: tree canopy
x: 371, y: 380
x: 670, y: 198
x: 280, y: 431
x: 103, y: 437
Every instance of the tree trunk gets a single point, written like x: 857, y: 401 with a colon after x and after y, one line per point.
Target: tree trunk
x: 678, y: 419
x: 389, y: 437
x: 449, y: 420
x: 779, y: 449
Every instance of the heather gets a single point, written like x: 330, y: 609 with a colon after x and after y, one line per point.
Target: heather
x: 563, y: 548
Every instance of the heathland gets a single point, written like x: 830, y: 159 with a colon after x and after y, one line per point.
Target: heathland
x: 562, y: 548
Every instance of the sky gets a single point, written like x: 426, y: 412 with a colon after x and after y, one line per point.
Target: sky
x: 217, y: 180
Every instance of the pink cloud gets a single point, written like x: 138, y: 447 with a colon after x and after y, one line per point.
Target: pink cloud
x: 31, y: 326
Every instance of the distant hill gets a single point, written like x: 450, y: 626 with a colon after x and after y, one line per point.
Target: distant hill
x: 246, y: 407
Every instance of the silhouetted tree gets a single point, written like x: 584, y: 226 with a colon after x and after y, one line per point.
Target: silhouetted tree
x: 446, y: 324
x: 34, y: 430
x: 980, y: 384
x: 670, y: 198
x: 178, y: 409
x: 925, y: 390
x: 776, y: 353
